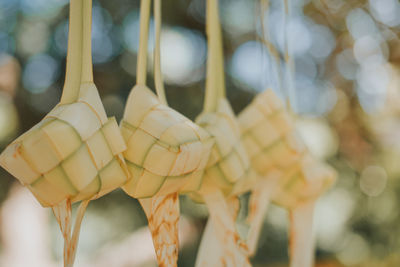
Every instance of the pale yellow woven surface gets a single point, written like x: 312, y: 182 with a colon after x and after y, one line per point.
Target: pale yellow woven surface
x: 166, y: 152
x: 271, y: 141
x: 228, y: 163
x: 71, y: 154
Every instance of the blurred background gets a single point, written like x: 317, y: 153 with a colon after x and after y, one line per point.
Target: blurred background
x: 347, y: 97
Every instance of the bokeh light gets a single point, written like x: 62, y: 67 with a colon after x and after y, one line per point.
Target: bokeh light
x: 40, y: 72
x: 248, y: 65
x: 346, y: 92
x: 373, y: 180
x: 183, y: 53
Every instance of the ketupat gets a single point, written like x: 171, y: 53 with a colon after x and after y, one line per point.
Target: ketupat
x: 228, y: 170
x: 166, y: 154
x: 228, y: 164
x: 293, y: 179
x: 288, y: 174
x: 297, y: 179
x: 74, y: 153
x: 281, y: 151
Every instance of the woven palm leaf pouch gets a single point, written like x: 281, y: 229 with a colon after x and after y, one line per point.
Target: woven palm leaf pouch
x: 75, y: 153
x: 167, y: 153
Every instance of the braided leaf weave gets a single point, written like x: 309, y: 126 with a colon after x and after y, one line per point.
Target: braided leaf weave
x: 272, y: 144
x: 71, y: 154
x: 228, y: 167
x: 166, y: 152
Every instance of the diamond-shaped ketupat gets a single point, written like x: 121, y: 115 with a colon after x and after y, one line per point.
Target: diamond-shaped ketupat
x: 288, y: 175
x: 227, y: 175
x: 281, y: 150
x: 167, y: 152
x: 228, y: 172
x: 67, y: 151
x: 228, y: 161
x: 75, y: 153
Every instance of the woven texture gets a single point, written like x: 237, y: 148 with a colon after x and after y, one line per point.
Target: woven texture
x: 228, y: 163
x: 304, y: 181
x: 272, y: 144
x: 166, y: 152
x: 71, y: 154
